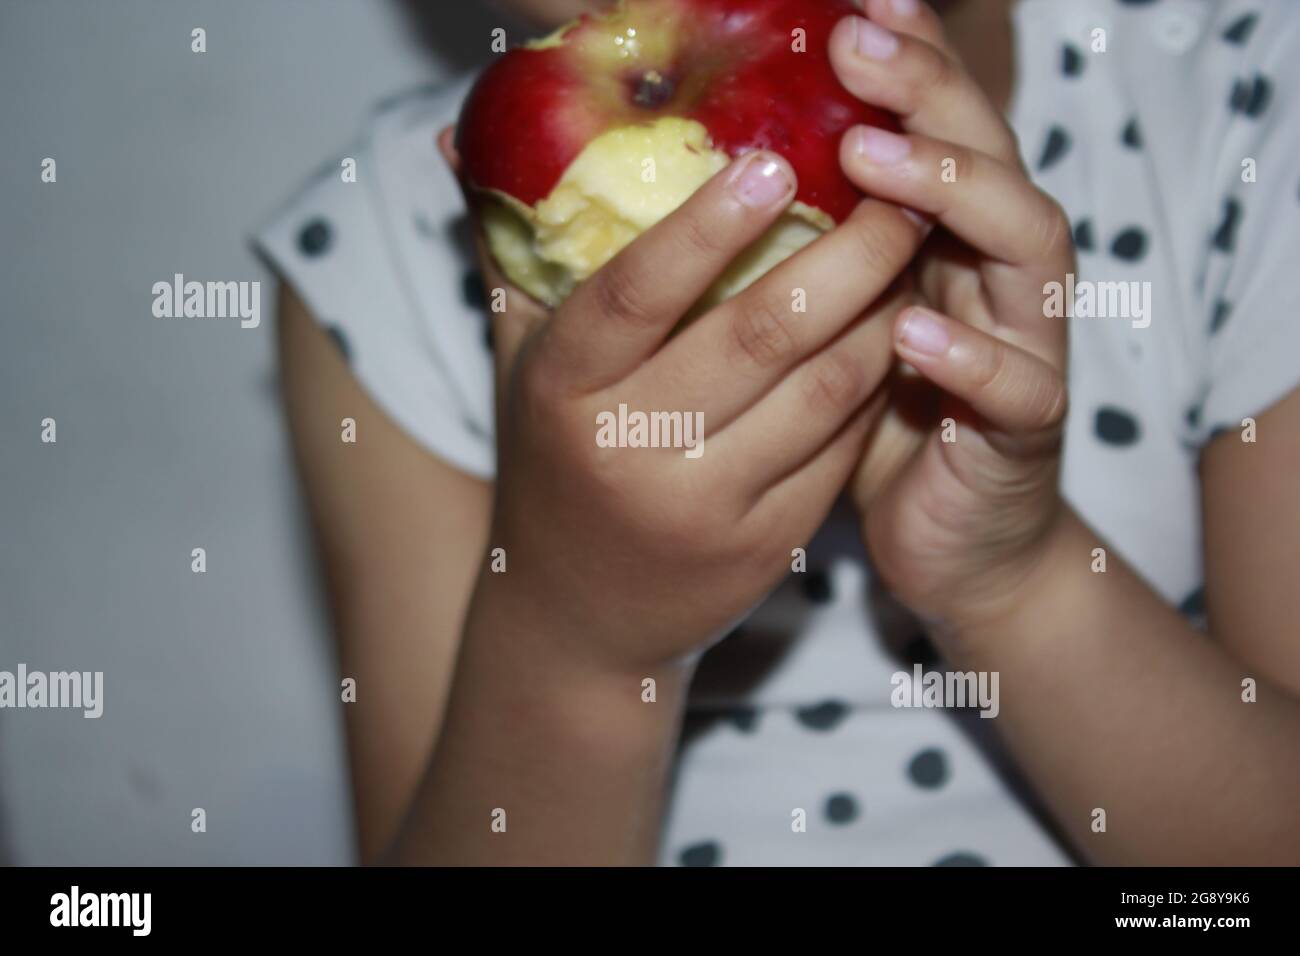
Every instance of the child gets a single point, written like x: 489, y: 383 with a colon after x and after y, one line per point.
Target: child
x: 508, y: 717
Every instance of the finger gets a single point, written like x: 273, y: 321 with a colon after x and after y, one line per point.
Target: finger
x: 809, y: 493
x: 447, y: 148
x: 907, y: 421
x: 616, y: 319
x: 792, y: 423
x: 914, y: 17
x: 931, y: 92
x: 1013, y: 390
x: 986, y: 203
x: 989, y: 205
x: 730, y: 357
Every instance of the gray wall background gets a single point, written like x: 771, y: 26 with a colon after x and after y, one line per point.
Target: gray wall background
x: 220, y: 690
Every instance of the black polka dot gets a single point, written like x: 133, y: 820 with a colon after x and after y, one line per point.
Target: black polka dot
x: 817, y: 587
x: 1083, y: 240
x: 423, y: 226
x: 1194, y: 604
x: 488, y: 342
x: 1130, y: 245
x: 744, y: 718
x: 841, y: 808
x: 1239, y: 30
x: 1058, y: 141
x: 1132, y: 135
x: 920, y: 650
x: 1221, y: 312
x: 961, y: 858
x: 823, y: 716
x: 340, y: 341
x: 1071, y: 60
x: 1218, y: 430
x: 1193, y: 417
x: 1115, y: 426
x: 929, y: 769
x: 473, y: 290
x: 701, y: 854
x: 1251, y: 97
x: 1225, y: 237
x: 315, y: 238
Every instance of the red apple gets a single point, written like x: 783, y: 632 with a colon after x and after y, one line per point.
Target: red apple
x: 583, y: 140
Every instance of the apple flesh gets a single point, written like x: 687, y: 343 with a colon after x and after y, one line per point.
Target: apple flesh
x: 579, y: 142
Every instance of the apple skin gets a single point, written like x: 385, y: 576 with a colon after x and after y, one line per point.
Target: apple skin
x: 533, y: 111
x: 731, y: 65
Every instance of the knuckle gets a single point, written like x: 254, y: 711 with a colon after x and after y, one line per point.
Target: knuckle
x: 1008, y: 143
x: 705, y: 514
x: 761, y: 332
x: 540, y: 399
x: 875, y: 246
x: 756, y: 550
x: 699, y: 238
x: 618, y: 296
x: 834, y: 382
x: 964, y: 163
x: 1054, y: 403
x: 693, y: 517
x: 608, y: 476
x: 933, y: 75
x: 1052, y: 228
x: 988, y: 369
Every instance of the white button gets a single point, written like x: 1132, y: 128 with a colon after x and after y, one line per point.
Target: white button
x: 1177, y: 32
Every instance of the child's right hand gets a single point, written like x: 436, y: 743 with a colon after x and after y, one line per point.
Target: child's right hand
x: 637, y: 557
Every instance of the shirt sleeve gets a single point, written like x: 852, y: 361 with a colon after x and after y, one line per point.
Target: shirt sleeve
x: 1253, y: 298
x: 332, y: 243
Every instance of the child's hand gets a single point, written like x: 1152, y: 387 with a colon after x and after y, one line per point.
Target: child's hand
x: 954, y: 526
x: 634, y: 557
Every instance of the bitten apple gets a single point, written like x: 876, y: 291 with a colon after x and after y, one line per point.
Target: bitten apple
x: 579, y: 142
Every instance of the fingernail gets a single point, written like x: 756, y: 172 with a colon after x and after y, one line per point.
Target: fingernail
x: 881, y: 145
x: 924, y: 334
x: 905, y: 8
x: 875, y: 43
x: 764, y: 181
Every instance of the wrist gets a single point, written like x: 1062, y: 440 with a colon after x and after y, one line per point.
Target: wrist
x: 1029, y: 592
x: 561, y: 617
x: 574, y: 753
x: 557, y: 669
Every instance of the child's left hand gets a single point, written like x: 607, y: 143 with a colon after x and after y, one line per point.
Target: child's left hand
x: 954, y: 527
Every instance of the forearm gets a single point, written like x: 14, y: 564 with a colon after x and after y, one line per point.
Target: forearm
x: 1111, y: 701
x: 543, y: 759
